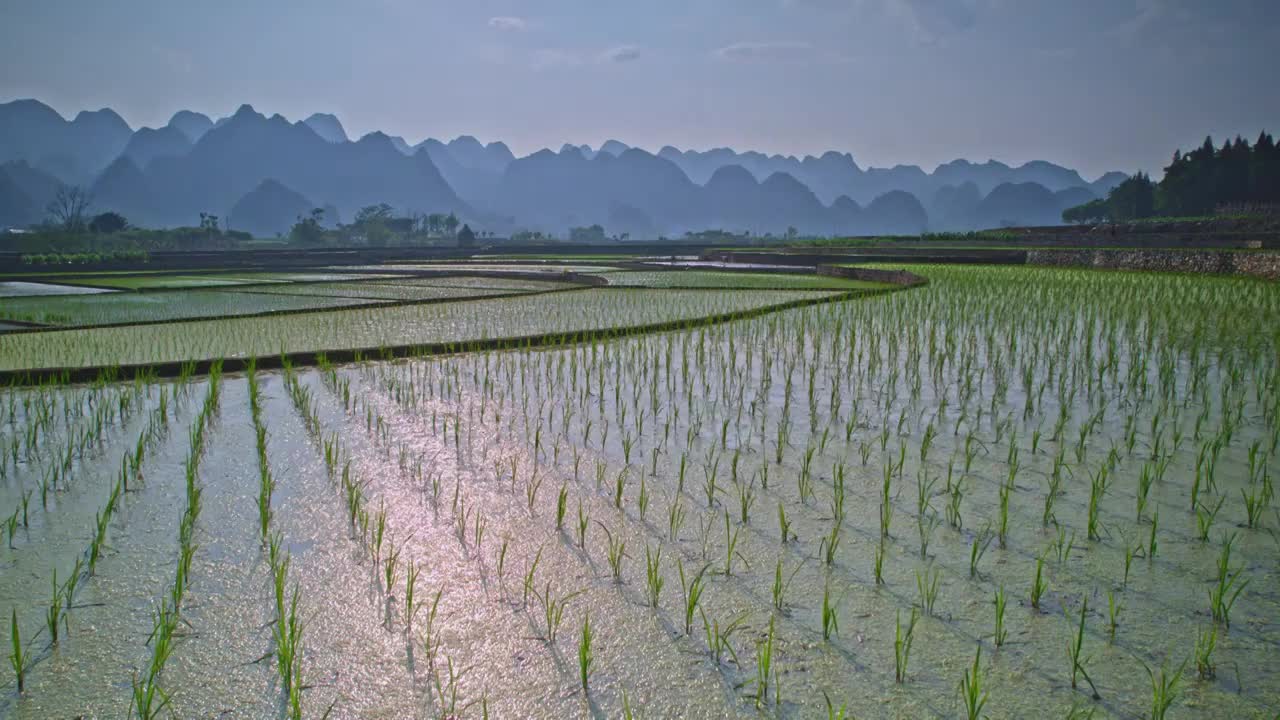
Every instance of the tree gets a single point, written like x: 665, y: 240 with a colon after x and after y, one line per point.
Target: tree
x: 466, y: 238
x: 209, y: 223
x: 372, y: 222
x: 373, y: 213
x: 308, y: 230
x: 69, y: 207
x: 1091, y: 212
x: 1132, y: 199
x: 107, y: 223
x: 592, y: 234
x: 451, y: 223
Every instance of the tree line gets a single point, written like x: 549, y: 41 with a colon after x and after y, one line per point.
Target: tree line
x: 1196, y: 183
x: 379, y: 226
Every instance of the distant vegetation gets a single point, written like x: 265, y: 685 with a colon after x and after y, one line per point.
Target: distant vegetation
x: 1235, y: 178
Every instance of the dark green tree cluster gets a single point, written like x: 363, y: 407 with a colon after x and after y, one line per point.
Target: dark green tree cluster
x: 1196, y: 183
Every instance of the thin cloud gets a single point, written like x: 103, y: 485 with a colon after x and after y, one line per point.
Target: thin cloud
x: 506, y: 22
x: 621, y: 54
x: 549, y: 58
x: 767, y: 52
x: 934, y: 20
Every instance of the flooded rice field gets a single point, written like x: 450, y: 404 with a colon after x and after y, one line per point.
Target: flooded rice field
x: 1010, y: 493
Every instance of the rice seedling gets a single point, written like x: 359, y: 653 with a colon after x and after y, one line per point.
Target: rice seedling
x: 430, y: 637
x: 1113, y: 614
x: 584, y: 518
x: 829, y: 544
x: 784, y: 525
x: 927, y: 589
x: 878, y: 562
x: 1205, y: 516
x: 585, y: 656
x: 54, y: 612
x: 1097, y: 488
x: 764, y: 666
x: 653, y: 574
x: 19, y: 657
x: 830, y: 621
x: 780, y: 586
x: 1000, y: 635
x: 616, y: 551
x: 978, y: 548
x: 720, y: 638
x: 1075, y: 644
x: 410, y: 607
x: 530, y: 572
x: 1002, y: 525
x: 1206, y: 643
x: 731, y: 545
x: 1152, y: 544
x: 1227, y: 588
x: 562, y: 499
x: 886, y: 505
x: 902, y: 645
x: 1164, y: 688
x: 553, y: 611
x: 1038, y: 584
x: 691, y: 588
x: 972, y: 693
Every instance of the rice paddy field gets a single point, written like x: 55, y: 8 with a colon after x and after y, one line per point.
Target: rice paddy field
x: 1009, y: 493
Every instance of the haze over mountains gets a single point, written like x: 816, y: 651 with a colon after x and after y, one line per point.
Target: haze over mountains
x: 259, y: 173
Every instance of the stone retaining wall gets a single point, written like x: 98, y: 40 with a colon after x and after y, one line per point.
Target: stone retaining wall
x: 891, y: 277
x: 1255, y: 264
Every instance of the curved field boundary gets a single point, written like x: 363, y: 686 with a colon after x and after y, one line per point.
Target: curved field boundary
x: 36, y: 376
x: 294, y: 311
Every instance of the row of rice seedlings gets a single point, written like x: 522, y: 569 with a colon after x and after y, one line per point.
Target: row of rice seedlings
x: 148, y: 699
x: 287, y: 629
x: 372, y: 530
x: 56, y: 475
x: 1092, y: 424
x: 266, y: 483
x: 563, y: 318
x: 719, y: 642
x: 57, y: 612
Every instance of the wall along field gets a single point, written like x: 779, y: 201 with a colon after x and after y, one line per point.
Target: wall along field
x: 1009, y: 493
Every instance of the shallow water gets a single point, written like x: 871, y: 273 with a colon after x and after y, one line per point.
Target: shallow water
x: 489, y: 441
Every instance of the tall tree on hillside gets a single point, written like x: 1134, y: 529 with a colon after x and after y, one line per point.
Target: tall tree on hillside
x: 69, y: 207
x: 108, y: 222
x: 1132, y: 199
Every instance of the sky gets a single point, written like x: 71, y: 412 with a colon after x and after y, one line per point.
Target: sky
x: 1095, y: 85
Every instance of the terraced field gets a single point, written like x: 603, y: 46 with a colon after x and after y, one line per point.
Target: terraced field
x: 1008, y: 493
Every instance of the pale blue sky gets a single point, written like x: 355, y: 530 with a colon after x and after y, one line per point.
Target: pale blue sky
x: 1092, y: 84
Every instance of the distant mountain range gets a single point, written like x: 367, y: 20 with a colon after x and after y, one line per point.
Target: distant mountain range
x: 260, y: 173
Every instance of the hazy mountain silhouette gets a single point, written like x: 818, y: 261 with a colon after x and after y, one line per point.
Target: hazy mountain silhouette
x: 73, y: 151
x: 147, y: 144
x: 268, y: 210
x: 124, y: 188
x: 34, y: 189
x: 953, y: 206
x: 328, y: 127
x: 167, y: 176
x: 192, y: 124
x: 1014, y: 204
x: 613, y: 147
x: 235, y: 157
x: 834, y: 174
x: 1107, y: 182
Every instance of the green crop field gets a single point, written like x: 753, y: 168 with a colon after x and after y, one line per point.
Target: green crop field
x: 724, y: 279
x: 1011, y: 493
